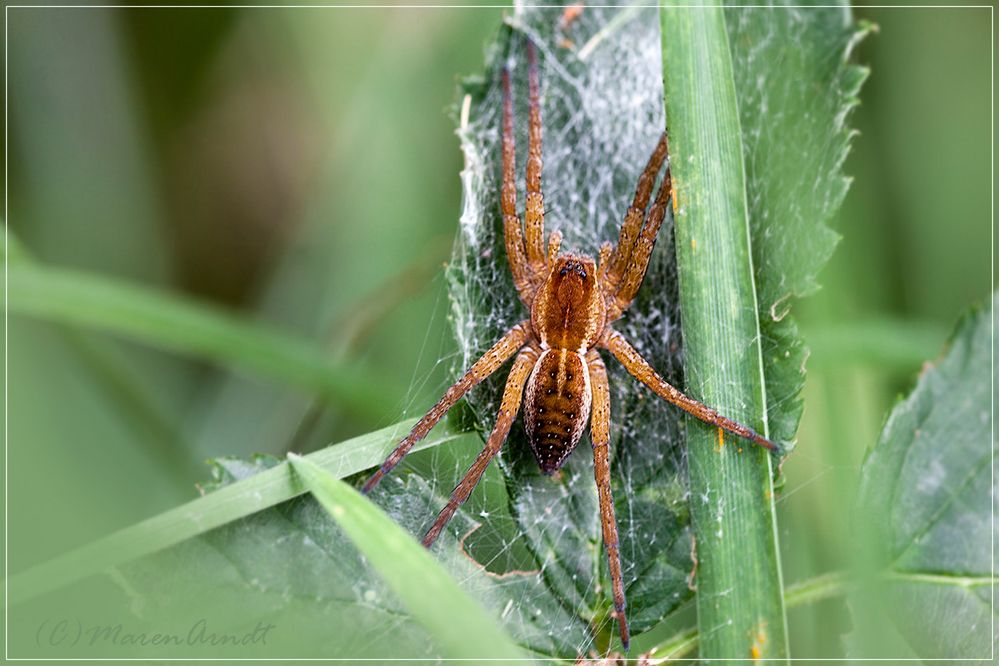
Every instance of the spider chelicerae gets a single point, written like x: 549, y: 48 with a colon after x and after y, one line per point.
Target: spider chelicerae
x: 558, y: 373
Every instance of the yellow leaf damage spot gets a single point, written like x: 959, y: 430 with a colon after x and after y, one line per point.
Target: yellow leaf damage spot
x: 759, y: 641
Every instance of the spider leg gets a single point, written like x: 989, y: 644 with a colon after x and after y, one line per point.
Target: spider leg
x: 600, y: 436
x: 490, y: 362
x: 633, y: 219
x: 554, y: 243
x: 534, y: 214
x: 638, y: 263
x: 643, y: 372
x: 513, y: 233
x: 603, y: 263
x: 512, y: 395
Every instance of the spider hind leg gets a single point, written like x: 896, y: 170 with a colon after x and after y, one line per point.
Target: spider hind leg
x: 490, y: 362
x: 512, y: 395
x: 600, y: 434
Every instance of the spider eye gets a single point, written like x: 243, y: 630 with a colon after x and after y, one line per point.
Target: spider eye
x: 582, y: 274
x: 563, y: 272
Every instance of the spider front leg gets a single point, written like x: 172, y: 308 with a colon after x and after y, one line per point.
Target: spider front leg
x: 490, y: 362
x: 534, y: 214
x: 525, y: 244
x: 638, y: 263
x: 600, y: 437
x: 513, y: 233
x: 645, y: 373
x: 617, y: 264
x: 509, y: 407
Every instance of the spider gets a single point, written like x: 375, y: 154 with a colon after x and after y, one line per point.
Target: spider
x: 558, y: 372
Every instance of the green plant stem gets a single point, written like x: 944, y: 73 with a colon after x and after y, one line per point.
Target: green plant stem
x: 884, y: 342
x: 740, y: 605
x: 229, y: 503
x: 81, y: 299
x: 825, y: 586
x: 680, y: 645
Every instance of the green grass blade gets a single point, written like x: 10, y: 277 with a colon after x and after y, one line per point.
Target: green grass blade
x: 124, y: 386
x: 158, y: 319
x: 460, y: 625
x: 215, y: 509
x: 740, y: 593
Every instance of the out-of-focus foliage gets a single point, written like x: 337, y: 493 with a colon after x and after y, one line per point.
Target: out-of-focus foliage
x: 925, y: 513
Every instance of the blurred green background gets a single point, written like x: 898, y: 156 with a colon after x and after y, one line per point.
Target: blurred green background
x: 300, y: 166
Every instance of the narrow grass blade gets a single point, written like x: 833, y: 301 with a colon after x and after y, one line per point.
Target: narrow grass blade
x: 220, y: 507
x: 739, y: 590
x: 155, y: 318
x: 126, y: 388
x: 456, y: 621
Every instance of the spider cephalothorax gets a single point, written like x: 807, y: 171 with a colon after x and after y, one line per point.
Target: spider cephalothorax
x: 558, y: 373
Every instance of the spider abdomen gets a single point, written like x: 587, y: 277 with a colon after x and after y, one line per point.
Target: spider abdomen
x: 556, y: 406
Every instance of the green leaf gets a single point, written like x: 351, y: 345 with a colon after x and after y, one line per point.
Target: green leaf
x: 880, y: 342
x: 12, y: 249
x: 795, y: 140
x: 155, y: 318
x: 122, y: 382
x: 271, y: 486
x: 925, y: 512
x: 295, y: 568
x: 457, y: 622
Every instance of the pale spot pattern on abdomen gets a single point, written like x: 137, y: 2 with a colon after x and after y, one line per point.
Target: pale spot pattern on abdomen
x: 556, y: 406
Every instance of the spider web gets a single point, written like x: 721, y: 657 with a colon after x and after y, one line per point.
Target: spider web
x: 602, y: 116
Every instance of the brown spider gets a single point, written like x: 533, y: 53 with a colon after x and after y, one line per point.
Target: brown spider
x: 572, y: 303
